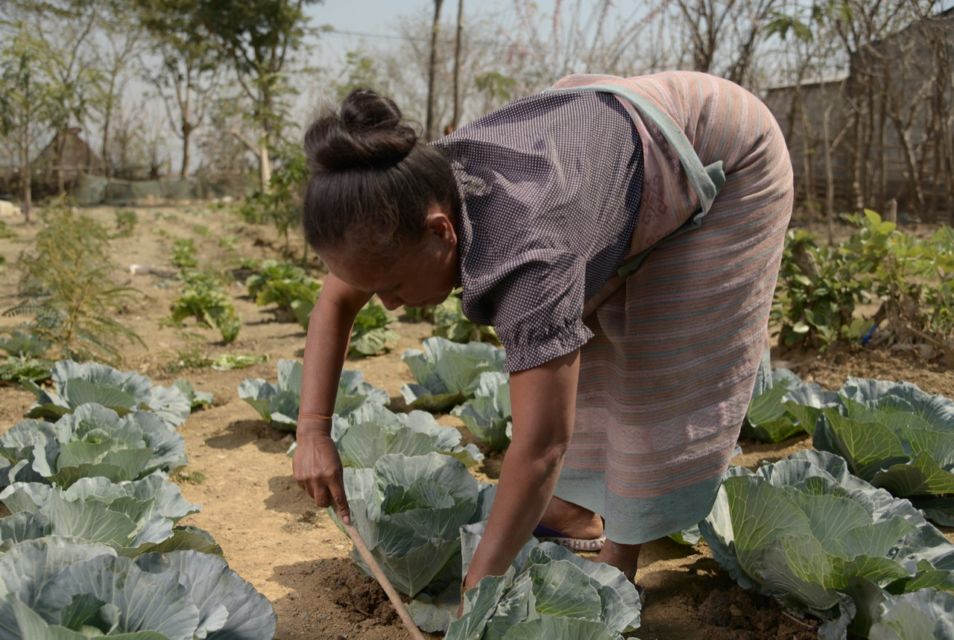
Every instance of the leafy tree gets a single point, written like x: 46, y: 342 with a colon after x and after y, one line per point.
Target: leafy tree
x: 258, y: 38
x: 189, y: 68
x: 27, y: 102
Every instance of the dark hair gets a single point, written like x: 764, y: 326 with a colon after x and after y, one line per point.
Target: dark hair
x: 371, y: 179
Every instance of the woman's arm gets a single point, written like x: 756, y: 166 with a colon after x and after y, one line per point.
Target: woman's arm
x: 316, y: 465
x: 544, y: 405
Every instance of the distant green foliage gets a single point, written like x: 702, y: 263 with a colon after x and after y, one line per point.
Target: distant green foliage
x: 281, y: 204
x: 126, y: 220
x: 204, y: 299
x: 820, y: 288
x: 68, y: 285
x: 184, y: 254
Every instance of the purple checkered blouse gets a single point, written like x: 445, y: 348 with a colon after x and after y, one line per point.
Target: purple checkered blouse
x: 550, y: 187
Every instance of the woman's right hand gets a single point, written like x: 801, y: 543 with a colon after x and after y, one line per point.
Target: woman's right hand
x: 317, y: 469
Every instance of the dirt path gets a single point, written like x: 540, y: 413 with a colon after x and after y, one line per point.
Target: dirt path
x: 289, y: 550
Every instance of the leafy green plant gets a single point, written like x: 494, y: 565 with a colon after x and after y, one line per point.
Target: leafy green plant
x: 286, y: 286
x: 896, y: 437
x: 549, y: 592
x: 125, y: 224
x: 131, y: 517
x: 229, y: 361
x: 807, y: 532
x: 203, y: 298
x: 278, y: 403
x: 68, y: 285
x: 451, y: 323
x: 57, y: 588
x: 121, y: 391
x: 787, y: 407
x: 817, y: 293
x: 197, y: 399
x: 447, y: 373
x: 184, y: 254
x: 371, y: 431
x: 488, y: 414
x: 24, y: 361
x: 92, y: 441
x: 409, y: 510
x: 370, y: 335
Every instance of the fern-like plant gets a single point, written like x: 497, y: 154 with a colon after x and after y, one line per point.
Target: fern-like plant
x: 68, y: 284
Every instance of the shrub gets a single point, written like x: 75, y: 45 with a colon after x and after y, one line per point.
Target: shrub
x: 68, y: 285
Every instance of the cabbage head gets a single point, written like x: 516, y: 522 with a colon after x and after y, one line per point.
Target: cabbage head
x: 372, y: 431
x: 807, y: 532
x: 897, y: 437
x: 409, y: 510
x: 92, y: 441
x: 548, y: 592
x: 131, y: 517
x: 488, y: 415
x: 278, y: 403
x: 59, y: 589
x: 75, y: 384
x: 447, y: 373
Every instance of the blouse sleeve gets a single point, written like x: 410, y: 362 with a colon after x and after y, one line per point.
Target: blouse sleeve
x: 538, y: 308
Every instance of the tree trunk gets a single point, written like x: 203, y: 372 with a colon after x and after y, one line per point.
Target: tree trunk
x: 60, y: 150
x: 460, y: 27
x: 264, y: 166
x: 186, y: 134
x: 432, y: 71
x: 26, y: 175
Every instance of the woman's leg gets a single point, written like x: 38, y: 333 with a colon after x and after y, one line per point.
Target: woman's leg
x: 622, y: 556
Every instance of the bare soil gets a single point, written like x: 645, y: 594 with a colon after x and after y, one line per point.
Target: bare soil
x: 270, y: 531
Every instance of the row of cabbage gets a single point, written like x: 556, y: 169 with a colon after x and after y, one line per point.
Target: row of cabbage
x: 92, y: 546
x: 421, y: 511
x: 466, y: 380
x: 805, y: 530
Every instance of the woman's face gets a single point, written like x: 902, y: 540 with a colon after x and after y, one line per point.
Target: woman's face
x: 421, y: 274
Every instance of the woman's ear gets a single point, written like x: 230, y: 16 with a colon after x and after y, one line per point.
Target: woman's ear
x: 440, y: 224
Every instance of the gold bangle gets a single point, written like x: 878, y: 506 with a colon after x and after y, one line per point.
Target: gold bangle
x: 312, y: 414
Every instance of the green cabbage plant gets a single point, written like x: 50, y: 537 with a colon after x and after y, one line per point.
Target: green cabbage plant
x: 409, y: 510
x: 371, y: 431
x: 548, y: 592
x: 131, y: 517
x: 60, y: 589
x: 75, y: 384
x: 278, y: 403
x: 487, y: 415
x: 896, y: 436
x: 447, y: 373
x: 92, y: 441
x: 784, y: 406
x: 821, y: 541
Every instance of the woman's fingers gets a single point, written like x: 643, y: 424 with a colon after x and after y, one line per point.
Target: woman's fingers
x: 339, y: 499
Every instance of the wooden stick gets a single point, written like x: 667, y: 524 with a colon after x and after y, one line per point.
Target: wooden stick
x: 382, y: 579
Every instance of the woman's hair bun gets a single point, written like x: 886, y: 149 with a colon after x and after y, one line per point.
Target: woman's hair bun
x: 366, y: 133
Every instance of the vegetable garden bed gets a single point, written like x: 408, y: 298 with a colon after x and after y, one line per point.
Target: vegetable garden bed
x: 291, y: 551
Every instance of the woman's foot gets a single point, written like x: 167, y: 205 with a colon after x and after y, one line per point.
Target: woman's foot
x: 571, y: 520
